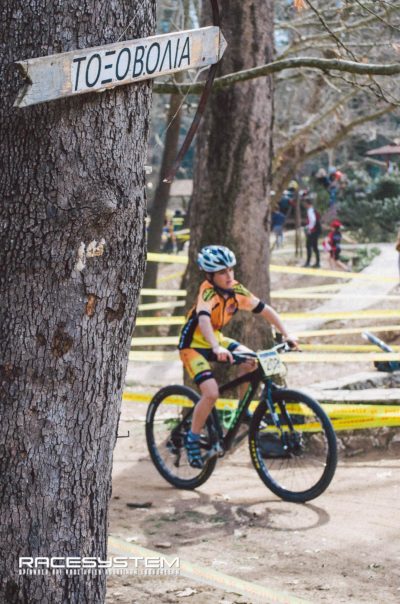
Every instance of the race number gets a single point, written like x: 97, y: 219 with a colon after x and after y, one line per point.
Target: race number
x: 271, y: 363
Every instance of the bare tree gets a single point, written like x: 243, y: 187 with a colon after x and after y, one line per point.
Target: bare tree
x: 345, y: 82
x: 72, y: 260
x: 319, y: 108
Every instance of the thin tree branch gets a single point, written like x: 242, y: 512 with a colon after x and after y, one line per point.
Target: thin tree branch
x: 378, y: 17
x: 361, y: 23
x: 329, y: 30
x: 325, y: 65
x: 325, y: 47
x: 314, y: 122
x: 345, y: 130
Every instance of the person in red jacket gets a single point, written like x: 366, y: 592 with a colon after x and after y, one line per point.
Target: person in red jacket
x: 334, y: 240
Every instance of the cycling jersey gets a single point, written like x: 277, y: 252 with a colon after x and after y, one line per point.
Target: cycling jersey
x: 212, y: 302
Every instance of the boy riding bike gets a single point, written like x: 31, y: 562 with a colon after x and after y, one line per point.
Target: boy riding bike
x: 201, y: 340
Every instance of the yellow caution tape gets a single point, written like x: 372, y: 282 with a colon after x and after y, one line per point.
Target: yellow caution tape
x: 293, y: 357
x: 338, y: 331
x: 295, y: 270
x: 290, y: 316
x: 344, y: 410
x: 153, y: 356
x: 334, y: 410
x: 277, y: 295
x: 203, y: 574
x: 180, y: 293
x: 344, y: 348
x: 160, y: 321
x: 340, y: 357
x: 310, y: 288
x: 332, y: 316
x: 319, y: 272
x: 161, y: 305
x: 348, y: 410
x: 168, y: 258
x: 343, y: 416
x: 344, y: 424
x: 182, y: 401
x: 280, y: 293
x: 136, y: 397
x: 170, y: 277
x: 173, y: 341
x: 364, y: 423
x: 155, y: 341
x: 318, y: 296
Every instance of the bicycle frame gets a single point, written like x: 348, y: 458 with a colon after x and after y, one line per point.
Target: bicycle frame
x: 255, y: 378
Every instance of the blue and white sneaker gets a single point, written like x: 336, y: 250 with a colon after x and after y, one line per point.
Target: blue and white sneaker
x: 192, y: 446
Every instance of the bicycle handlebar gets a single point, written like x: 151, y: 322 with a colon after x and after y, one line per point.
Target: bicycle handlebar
x: 242, y: 357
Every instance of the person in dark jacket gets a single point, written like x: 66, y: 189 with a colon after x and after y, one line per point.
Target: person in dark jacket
x: 313, y: 231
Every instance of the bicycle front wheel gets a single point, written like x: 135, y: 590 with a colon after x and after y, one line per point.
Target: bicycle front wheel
x: 168, y: 419
x: 296, y: 455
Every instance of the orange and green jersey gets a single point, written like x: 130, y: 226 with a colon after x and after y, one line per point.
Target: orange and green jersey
x: 211, y: 301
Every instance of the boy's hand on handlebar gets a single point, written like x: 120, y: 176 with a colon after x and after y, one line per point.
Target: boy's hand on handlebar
x: 292, y: 342
x: 223, y: 354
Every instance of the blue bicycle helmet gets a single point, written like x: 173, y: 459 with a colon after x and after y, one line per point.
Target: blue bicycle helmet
x: 213, y: 258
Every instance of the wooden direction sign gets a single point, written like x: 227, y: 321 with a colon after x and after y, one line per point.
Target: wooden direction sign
x: 98, y: 68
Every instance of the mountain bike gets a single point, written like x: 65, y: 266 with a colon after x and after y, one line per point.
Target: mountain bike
x: 291, y: 439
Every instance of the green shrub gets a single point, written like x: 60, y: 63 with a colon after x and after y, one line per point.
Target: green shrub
x: 387, y: 187
x: 369, y: 208
x: 371, y: 219
x: 363, y: 257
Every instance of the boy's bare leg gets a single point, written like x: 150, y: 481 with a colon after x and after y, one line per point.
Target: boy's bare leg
x: 209, y: 394
x: 250, y: 365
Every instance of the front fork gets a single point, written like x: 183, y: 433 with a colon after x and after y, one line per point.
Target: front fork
x: 267, y: 398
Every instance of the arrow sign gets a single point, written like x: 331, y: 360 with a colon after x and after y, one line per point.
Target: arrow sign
x: 102, y: 67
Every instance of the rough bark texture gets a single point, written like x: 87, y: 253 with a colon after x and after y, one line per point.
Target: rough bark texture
x: 233, y: 158
x: 71, y: 175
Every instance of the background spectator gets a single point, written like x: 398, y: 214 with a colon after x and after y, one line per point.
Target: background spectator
x: 334, y: 242
x: 313, y: 231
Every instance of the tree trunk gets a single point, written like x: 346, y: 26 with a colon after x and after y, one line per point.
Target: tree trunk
x: 72, y: 256
x: 161, y: 196
x: 233, y: 162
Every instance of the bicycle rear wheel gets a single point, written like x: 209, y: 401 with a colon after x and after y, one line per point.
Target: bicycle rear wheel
x: 297, y: 461
x: 168, y: 419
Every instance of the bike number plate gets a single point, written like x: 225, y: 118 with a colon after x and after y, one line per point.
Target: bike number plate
x: 271, y: 364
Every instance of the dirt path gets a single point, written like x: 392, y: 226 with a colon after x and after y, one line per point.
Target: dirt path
x: 341, y: 547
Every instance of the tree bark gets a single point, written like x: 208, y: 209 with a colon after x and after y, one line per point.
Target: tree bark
x: 72, y: 256
x: 230, y: 203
